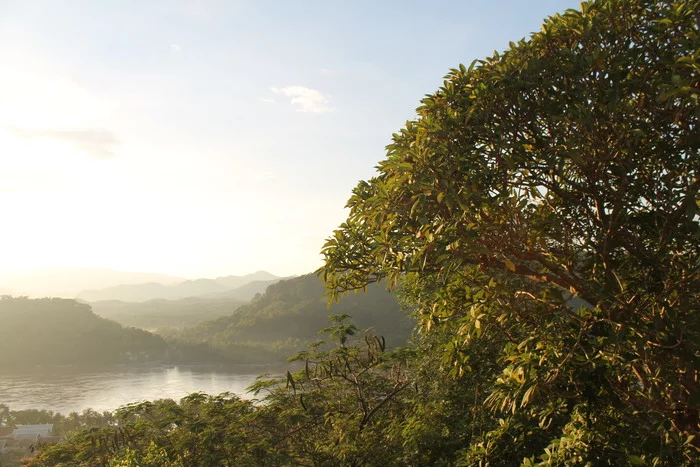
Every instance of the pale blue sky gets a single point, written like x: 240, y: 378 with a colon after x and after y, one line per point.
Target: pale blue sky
x: 212, y: 138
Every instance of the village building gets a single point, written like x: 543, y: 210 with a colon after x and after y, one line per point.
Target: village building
x: 25, y: 438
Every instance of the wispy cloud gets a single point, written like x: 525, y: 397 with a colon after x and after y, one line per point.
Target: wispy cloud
x: 98, y: 142
x: 308, y: 100
x: 267, y: 100
x: 175, y: 49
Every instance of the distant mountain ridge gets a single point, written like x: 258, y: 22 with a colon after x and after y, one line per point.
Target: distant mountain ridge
x: 68, y: 282
x: 244, y: 292
x: 221, y: 287
x: 234, y: 282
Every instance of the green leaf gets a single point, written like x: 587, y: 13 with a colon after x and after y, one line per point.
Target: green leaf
x: 636, y: 460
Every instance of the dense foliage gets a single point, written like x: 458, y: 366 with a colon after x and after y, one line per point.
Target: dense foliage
x: 566, y: 166
x: 541, y: 214
x: 288, y: 316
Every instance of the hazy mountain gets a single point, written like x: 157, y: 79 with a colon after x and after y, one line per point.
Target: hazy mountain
x: 159, y: 313
x: 153, y: 314
x: 244, y: 292
x: 213, y: 288
x: 151, y: 291
x: 126, y: 292
x: 289, y: 315
x: 234, y: 282
x: 68, y: 282
x: 197, y: 287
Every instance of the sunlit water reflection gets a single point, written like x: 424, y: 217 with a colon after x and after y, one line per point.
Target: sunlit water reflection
x: 70, y: 390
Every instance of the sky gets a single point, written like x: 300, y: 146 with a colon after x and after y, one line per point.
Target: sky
x: 210, y: 138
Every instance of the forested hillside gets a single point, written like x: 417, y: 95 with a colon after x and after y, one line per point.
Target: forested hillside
x: 289, y: 315
x: 53, y: 331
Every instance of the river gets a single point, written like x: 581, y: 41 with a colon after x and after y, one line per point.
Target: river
x: 68, y: 390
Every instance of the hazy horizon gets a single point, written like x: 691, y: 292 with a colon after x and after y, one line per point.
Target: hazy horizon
x: 204, y: 139
x: 72, y: 282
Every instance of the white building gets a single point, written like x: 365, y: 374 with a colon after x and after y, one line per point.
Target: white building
x: 26, y: 437
x: 32, y: 431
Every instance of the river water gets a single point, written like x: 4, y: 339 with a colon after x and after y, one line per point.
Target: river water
x: 68, y: 390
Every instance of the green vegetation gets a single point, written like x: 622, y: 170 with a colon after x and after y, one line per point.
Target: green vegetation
x: 566, y: 167
x: 287, y: 316
x: 345, y: 407
x: 53, y: 331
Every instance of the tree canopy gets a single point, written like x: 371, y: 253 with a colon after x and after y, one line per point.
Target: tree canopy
x: 565, y: 167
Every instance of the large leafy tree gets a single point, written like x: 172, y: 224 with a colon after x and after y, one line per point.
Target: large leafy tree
x: 547, y: 199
